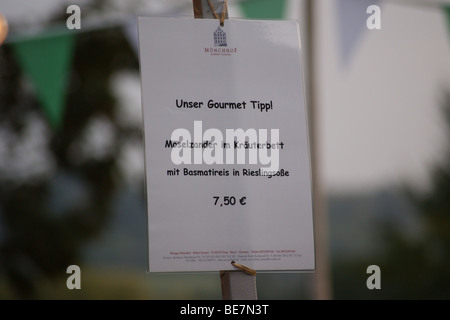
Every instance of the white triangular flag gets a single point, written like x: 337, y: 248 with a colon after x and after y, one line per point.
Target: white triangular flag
x: 352, y: 20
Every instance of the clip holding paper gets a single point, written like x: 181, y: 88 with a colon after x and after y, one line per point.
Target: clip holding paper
x: 244, y: 268
x: 223, y: 13
x: 201, y: 10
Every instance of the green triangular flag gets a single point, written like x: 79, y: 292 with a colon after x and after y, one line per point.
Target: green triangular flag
x: 263, y: 9
x: 46, y: 59
x: 446, y: 9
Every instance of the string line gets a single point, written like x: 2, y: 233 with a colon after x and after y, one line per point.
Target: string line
x: 223, y: 13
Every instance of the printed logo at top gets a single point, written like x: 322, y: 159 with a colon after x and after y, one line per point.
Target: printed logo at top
x: 220, y: 47
x: 220, y: 37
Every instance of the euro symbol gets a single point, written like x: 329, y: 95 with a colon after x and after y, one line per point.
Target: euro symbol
x: 242, y: 201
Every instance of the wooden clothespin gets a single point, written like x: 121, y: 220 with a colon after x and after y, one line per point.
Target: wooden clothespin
x: 211, y: 9
x: 244, y: 268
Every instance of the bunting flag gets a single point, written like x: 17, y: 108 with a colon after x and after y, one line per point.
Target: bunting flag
x: 352, y: 19
x: 263, y: 9
x: 446, y: 9
x: 46, y: 59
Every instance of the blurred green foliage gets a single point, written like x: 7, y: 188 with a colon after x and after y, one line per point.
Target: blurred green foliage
x: 38, y: 237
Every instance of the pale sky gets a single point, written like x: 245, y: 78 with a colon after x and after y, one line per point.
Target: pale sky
x: 379, y: 118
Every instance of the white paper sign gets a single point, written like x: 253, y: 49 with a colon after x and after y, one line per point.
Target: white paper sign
x: 226, y: 145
